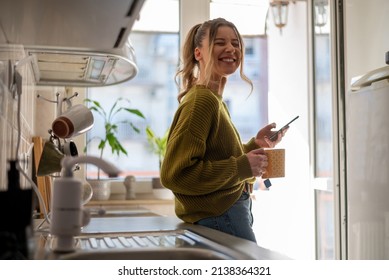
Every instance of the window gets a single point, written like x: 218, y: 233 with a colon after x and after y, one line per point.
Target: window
x: 153, y: 91
x: 323, y: 139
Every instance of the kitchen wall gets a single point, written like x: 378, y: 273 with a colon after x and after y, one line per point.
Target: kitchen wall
x: 366, y: 36
x: 37, y: 114
x: 9, y: 115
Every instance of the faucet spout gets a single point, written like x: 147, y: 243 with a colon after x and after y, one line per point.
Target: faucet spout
x: 69, y: 162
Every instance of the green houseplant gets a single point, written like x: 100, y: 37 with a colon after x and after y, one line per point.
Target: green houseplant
x: 110, y: 136
x: 158, y: 147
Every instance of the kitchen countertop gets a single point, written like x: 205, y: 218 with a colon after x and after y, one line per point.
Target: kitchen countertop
x: 141, y: 206
x: 121, y: 202
x: 248, y: 249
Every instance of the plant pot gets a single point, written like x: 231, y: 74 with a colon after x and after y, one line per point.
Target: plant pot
x: 101, y: 189
x: 87, y: 193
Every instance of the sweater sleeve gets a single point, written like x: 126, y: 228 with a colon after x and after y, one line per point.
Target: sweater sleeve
x: 189, y: 167
x: 250, y: 145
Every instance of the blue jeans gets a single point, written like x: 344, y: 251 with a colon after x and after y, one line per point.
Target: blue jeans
x: 237, y: 220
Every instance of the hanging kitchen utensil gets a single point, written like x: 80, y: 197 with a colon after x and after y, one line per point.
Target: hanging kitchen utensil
x: 50, y: 161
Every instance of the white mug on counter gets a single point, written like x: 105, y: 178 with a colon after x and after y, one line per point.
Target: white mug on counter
x: 76, y: 120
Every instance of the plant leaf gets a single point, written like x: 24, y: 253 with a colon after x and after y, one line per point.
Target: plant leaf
x: 111, y: 127
x: 135, y: 112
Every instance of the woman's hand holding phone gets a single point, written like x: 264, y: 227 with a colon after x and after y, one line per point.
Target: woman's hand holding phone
x: 263, y: 139
x: 274, y: 136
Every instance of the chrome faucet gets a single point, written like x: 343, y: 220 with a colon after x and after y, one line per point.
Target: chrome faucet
x: 67, y: 214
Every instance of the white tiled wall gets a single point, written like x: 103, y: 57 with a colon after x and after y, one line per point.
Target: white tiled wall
x: 37, y: 114
x: 8, y: 114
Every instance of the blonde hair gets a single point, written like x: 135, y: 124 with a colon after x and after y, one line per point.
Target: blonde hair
x: 194, y: 39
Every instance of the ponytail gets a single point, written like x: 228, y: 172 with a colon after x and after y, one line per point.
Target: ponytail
x: 189, y: 62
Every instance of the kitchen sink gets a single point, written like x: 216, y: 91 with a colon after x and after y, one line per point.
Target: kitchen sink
x: 156, y: 245
x: 147, y: 254
x: 149, y: 238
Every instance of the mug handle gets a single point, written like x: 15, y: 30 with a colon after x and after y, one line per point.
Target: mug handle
x: 60, y: 105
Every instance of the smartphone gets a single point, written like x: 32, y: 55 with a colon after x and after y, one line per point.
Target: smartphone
x: 274, y: 136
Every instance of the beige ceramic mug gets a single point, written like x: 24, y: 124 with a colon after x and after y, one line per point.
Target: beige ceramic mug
x: 276, y: 163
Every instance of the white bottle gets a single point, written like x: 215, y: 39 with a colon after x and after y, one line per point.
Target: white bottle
x: 129, y: 185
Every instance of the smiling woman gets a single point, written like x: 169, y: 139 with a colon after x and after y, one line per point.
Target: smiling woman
x: 212, y: 178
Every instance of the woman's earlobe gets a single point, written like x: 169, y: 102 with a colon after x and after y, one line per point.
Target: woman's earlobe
x: 197, y: 54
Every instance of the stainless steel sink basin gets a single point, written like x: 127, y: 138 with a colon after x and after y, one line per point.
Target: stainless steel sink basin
x: 149, y: 238
x: 156, y: 245
x: 147, y: 254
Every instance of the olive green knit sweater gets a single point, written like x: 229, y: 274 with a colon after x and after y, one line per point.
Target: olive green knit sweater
x: 205, y: 164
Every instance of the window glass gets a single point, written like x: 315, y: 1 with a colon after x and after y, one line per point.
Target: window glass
x: 153, y: 91
x: 158, y: 15
x: 323, y: 107
x: 323, y: 144
x: 325, y: 245
x: 254, y: 11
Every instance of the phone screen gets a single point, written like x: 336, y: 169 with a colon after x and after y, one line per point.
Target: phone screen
x: 274, y: 136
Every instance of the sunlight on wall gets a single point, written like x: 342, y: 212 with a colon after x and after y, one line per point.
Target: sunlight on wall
x: 284, y: 215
